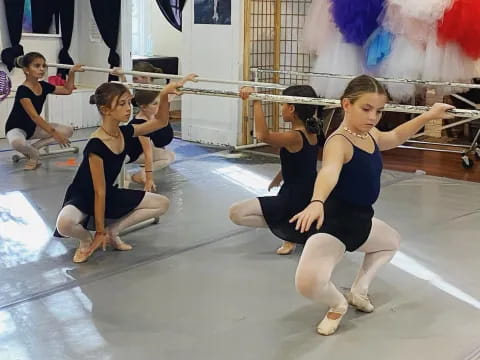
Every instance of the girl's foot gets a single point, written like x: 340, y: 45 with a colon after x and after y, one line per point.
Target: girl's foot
x: 287, y: 248
x: 138, y: 178
x: 331, y: 321
x: 360, y: 302
x: 31, y: 164
x: 118, y: 244
x: 83, y: 252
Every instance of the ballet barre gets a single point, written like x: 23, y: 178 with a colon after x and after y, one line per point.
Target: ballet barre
x: 468, y: 115
x: 296, y: 99
x: 48, y: 152
x: 474, y: 147
x: 257, y: 71
x: 173, y: 76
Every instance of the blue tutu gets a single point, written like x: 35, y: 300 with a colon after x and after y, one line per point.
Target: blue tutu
x: 356, y: 19
x: 378, y: 47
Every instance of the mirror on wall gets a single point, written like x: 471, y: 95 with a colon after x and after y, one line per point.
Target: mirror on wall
x: 40, y: 17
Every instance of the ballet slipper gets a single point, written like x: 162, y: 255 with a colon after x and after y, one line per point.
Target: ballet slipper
x: 360, y: 302
x: 331, y: 321
x: 138, y: 178
x: 98, y: 240
x: 82, y: 253
x: 286, y: 249
x: 119, y: 244
x: 31, y: 165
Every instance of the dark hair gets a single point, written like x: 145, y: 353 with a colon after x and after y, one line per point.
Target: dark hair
x: 309, y: 114
x: 145, y: 97
x: 25, y: 60
x: 106, y: 93
x: 144, y: 66
x: 361, y: 85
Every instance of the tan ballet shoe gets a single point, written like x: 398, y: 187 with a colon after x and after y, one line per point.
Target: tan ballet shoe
x: 138, y: 179
x: 330, y: 322
x: 81, y: 255
x: 118, y: 244
x: 360, y: 302
x: 31, y: 165
x: 287, y: 248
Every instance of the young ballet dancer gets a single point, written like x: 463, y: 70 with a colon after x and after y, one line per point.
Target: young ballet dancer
x: 298, y: 155
x: 92, y: 193
x: 149, y: 150
x: 25, y: 121
x: 346, y: 187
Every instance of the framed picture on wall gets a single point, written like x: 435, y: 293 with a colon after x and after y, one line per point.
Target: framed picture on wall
x: 216, y: 12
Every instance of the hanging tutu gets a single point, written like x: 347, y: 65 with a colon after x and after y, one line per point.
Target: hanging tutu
x: 338, y: 57
x: 446, y: 62
x: 461, y: 24
x: 429, y: 11
x: 355, y: 19
x: 377, y: 48
x: 404, y: 62
x: 318, y: 28
x: 395, y: 21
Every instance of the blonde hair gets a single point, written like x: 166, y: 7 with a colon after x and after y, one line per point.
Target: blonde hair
x: 362, y: 85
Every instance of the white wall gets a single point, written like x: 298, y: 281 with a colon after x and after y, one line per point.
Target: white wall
x: 73, y: 109
x: 166, y: 40
x: 82, y: 49
x: 213, y: 51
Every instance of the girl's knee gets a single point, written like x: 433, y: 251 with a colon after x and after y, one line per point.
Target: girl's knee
x: 66, y: 131
x: 18, y: 143
x: 172, y: 156
x: 235, y: 213
x: 65, y: 225
x: 160, y: 202
x: 310, y: 283
x: 395, y: 239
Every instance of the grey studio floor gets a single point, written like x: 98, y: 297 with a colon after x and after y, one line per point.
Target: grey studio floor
x: 197, y: 286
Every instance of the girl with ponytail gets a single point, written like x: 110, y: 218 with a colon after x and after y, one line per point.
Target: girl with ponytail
x: 298, y: 155
x: 25, y: 121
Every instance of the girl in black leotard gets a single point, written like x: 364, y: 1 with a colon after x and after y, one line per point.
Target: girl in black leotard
x: 92, y: 193
x: 149, y: 150
x: 298, y: 156
x: 346, y: 187
x: 25, y: 121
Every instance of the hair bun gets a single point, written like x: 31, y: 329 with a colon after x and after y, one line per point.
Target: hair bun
x: 19, y: 62
x: 312, y: 125
x: 92, y: 100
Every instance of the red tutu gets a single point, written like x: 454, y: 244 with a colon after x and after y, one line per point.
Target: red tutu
x: 461, y: 24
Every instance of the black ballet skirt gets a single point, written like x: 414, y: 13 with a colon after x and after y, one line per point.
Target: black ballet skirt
x: 299, y: 171
x: 160, y: 138
x: 118, y: 202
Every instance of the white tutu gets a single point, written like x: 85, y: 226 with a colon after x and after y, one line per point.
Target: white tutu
x: 477, y: 69
x: 446, y: 63
x: 403, y: 63
x: 337, y: 57
x: 414, y: 19
x: 319, y: 27
x: 395, y: 21
x: 429, y: 11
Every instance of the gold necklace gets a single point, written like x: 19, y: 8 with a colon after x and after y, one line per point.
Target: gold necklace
x: 106, y: 132
x: 355, y: 134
